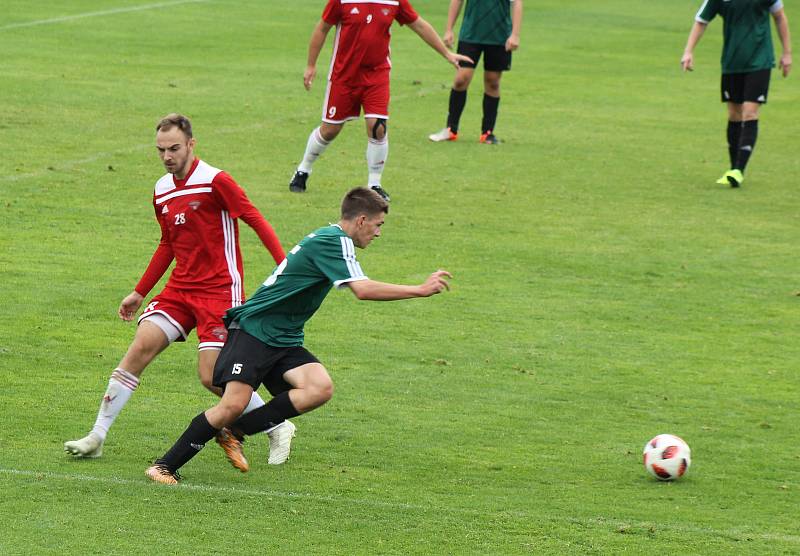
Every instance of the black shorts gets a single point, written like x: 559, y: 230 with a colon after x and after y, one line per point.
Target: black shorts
x: 247, y: 359
x: 497, y: 57
x: 745, y: 87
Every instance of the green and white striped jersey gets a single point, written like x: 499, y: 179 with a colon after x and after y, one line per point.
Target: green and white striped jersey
x: 278, y: 311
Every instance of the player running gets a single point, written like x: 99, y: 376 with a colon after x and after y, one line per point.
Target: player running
x: 359, y: 77
x: 197, y: 207
x: 265, y: 345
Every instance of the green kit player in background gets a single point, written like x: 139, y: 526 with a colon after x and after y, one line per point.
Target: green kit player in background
x: 747, y: 61
x: 490, y: 28
x: 265, y: 340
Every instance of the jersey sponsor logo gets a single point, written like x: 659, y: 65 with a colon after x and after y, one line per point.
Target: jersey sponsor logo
x: 195, y: 204
x: 165, y: 210
x: 355, y: 11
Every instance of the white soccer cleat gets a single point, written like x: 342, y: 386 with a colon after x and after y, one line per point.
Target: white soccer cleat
x: 280, y: 442
x: 90, y: 446
x: 443, y: 135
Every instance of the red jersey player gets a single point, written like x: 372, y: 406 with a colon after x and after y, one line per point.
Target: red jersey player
x: 197, y: 207
x: 359, y: 76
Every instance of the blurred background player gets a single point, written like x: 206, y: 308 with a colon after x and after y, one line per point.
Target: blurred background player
x: 491, y: 28
x: 265, y: 345
x: 359, y: 76
x: 197, y: 207
x: 747, y: 61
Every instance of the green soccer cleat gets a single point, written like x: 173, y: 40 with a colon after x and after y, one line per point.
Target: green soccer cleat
x: 734, y: 177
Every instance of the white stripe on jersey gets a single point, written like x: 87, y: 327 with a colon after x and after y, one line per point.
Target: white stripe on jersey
x: 333, y: 60
x: 387, y: 2
x: 697, y: 16
x: 349, y: 256
x: 229, y: 233
x: 181, y: 193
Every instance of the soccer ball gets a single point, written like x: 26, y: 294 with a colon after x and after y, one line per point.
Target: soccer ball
x: 667, y: 457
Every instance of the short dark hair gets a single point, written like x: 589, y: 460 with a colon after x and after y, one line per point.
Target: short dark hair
x: 176, y: 120
x: 363, y: 200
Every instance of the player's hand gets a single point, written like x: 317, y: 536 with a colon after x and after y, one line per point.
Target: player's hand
x: 308, y: 77
x: 512, y: 43
x: 448, y: 38
x: 436, y: 283
x: 456, y: 58
x: 687, y: 62
x: 785, y: 64
x: 129, y: 306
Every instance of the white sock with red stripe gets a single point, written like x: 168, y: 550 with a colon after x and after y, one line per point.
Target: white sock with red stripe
x: 377, y: 151
x: 120, y: 388
x: 314, y: 148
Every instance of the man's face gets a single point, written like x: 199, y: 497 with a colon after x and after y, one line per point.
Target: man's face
x: 367, y: 229
x: 176, y: 150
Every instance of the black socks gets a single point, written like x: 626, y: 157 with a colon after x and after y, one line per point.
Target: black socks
x: 490, y: 105
x: 457, y: 101
x: 189, y: 444
x: 267, y: 416
x: 747, y: 142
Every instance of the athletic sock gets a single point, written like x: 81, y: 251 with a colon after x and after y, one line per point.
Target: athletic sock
x: 267, y: 417
x: 747, y: 142
x: 121, y: 385
x: 315, y: 146
x: 256, y: 401
x: 377, y: 151
x: 457, y: 101
x: 490, y: 105
x: 192, y: 440
x: 734, y: 133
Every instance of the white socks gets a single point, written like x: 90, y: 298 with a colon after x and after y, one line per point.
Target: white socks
x: 120, y: 388
x: 377, y: 151
x: 255, y: 403
x: 314, y: 148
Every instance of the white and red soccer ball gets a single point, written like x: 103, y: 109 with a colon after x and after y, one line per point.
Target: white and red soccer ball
x: 667, y: 457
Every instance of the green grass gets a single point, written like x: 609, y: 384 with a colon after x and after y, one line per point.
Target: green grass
x: 606, y: 291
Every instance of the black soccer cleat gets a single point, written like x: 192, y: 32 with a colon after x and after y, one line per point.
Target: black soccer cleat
x: 298, y: 183
x: 381, y: 191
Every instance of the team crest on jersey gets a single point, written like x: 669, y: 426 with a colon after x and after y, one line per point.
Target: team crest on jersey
x: 385, y: 11
x: 355, y: 11
x: 195, y: 204
x: 165, y: 210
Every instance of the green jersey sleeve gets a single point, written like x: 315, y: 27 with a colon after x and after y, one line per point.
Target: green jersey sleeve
x: 707, y: 11
x: 336, y: 259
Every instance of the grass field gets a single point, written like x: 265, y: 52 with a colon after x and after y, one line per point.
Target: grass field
x: 605, y: 291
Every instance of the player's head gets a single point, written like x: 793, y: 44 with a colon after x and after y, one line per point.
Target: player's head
x: 363, y: 213
x: 175, y: 143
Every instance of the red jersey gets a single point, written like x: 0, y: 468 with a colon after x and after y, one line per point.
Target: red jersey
x: 198, y: 218
x: 361, y: 45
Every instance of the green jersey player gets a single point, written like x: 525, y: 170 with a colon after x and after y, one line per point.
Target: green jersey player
x: 747, y: 60
x: 265, y: 341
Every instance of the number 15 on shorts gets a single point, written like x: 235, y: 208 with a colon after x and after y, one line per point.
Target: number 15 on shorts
x: 237, y: 369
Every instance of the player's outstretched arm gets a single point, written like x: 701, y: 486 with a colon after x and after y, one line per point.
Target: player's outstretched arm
x: 428, y: 34
x: 370, y: 290
x: 687, y: 60
x: 452, y: 15
x: 315, y: 45
x: 512, y: 43
x: 782, y: 24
